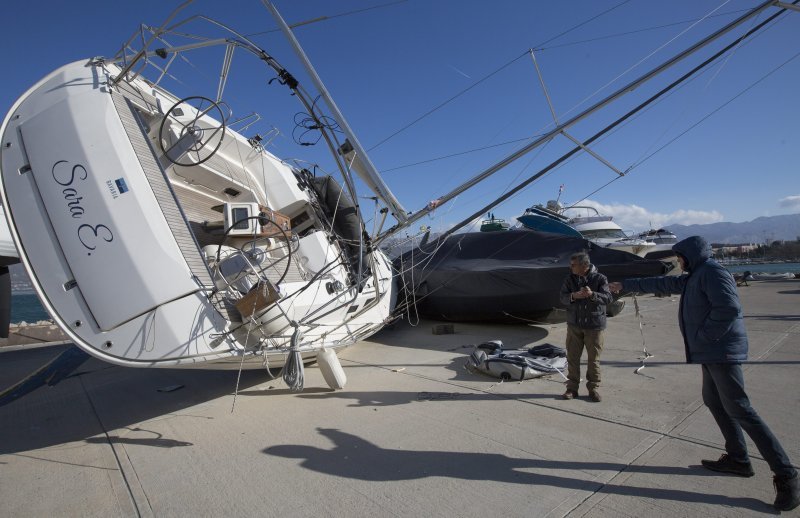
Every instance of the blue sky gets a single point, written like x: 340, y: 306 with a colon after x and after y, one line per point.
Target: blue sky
x: 735, y: 133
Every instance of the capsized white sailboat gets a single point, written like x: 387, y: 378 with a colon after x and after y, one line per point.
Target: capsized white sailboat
x: 157, y: 236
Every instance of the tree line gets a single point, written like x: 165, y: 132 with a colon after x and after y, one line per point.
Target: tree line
x: 777, y: 251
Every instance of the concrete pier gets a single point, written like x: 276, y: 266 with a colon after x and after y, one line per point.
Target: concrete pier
x: 412, y: 434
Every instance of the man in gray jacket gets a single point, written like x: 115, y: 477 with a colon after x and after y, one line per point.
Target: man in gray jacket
x: 710, y: 319
x: 585, y: 294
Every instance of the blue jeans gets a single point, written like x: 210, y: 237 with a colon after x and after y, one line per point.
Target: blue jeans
x: 724, y: 395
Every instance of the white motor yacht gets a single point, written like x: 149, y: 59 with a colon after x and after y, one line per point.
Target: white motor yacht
x: 599, y: 229
x: 663, y: 240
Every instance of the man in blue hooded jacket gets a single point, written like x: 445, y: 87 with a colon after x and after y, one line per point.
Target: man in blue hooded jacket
x: 710, y: 319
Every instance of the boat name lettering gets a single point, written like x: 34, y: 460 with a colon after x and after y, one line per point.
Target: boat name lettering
x: 66, y: 179
x: 57, y: 176
x: 64, y: 175
x: 92, y: 234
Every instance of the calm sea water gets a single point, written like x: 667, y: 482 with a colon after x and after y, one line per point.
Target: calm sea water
x: 765, y: 268
x: 25, y: 307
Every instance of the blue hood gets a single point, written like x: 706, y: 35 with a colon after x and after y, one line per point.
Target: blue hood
x: 695, y: 249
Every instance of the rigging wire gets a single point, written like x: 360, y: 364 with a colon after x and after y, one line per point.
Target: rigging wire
x: 452, y: 155
x: 542, y: 46
x: 637, y: 31
x: 629, y: 114
x: 642, y: 60
x: 581, y: 24
x: 637, y: 164
x: 448, y: 101
x: 650, y: 101
x: 325, y: 18
x: 740, y: 42
x: 519, y: 173
x: 664, y: 132
x: 732, y: 53
x: 712, y: 113
x: 502, y: 67
x: 476, y: 83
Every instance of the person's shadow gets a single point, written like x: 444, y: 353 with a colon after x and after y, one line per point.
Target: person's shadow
x: 356, y: 458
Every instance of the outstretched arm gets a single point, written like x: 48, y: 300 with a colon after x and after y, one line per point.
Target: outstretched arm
x: 669, y: 285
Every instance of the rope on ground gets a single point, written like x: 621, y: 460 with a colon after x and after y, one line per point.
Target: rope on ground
x: 644, y: 345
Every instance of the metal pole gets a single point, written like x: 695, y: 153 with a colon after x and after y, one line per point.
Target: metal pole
x: 382, y: 189
x: 611, y: 126
x: 560, y: 128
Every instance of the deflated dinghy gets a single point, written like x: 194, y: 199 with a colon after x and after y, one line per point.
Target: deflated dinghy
x: 516, y: 364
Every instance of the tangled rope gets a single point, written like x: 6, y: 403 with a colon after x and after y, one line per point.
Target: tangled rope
x: 644, y: 345
x: 293, y: 370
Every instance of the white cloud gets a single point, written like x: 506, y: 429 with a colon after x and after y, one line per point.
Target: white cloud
x: 790, y: 202
x: 636, y: 218
x: 632, y: 218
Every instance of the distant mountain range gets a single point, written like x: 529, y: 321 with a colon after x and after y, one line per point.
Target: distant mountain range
x: 759, y: 231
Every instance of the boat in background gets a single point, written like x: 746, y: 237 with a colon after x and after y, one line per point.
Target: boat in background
x: 595, y: 227
x: 493, y: 224
x: 663, y: 240
x: 512, y: 276
x: 542, y: 219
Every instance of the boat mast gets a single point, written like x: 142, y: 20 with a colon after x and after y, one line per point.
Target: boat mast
x: 559, y: 129
x: 368, y: 173
x: 609, y: 127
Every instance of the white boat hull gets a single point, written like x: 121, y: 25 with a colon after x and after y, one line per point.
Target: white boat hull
x: 97, y: 217
x: 632, y: 246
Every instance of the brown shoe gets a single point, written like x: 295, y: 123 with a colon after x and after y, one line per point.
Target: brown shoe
x: 570, y: 394
x: 595, y: 396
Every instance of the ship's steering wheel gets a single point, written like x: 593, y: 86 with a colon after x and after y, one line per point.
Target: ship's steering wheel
x: 197, y: 139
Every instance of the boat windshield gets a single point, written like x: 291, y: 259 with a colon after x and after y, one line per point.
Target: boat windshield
x: 604, y: 233
x: 661, y: 239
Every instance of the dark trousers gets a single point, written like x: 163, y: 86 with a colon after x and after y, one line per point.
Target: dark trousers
x: 724, y: 395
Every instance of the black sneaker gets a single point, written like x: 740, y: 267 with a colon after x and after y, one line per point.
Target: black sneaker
x: 788, y: 496
x: 595, y: 396
x: 725, y: 464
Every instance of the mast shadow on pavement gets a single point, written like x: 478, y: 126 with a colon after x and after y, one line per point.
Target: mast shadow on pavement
x: 369, y: 462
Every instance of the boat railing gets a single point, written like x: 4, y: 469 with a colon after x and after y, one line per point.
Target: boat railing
x: 544, y: 211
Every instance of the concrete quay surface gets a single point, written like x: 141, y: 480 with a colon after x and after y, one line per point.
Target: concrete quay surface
x: 412, y: 434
